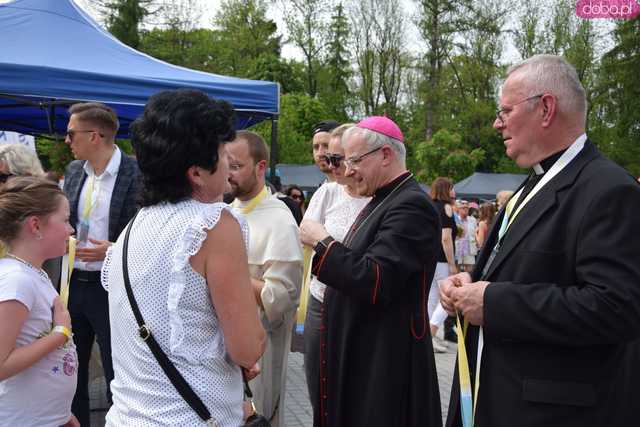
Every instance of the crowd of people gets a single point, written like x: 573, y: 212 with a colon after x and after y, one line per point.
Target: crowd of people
x: 189, y: 266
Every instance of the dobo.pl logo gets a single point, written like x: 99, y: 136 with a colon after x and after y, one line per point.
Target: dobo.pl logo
x: 612, y: 9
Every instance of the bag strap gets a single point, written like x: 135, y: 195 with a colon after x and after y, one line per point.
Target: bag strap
x: 169, y: 368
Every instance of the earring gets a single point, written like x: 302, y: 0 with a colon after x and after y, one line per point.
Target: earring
x: 38, y: 236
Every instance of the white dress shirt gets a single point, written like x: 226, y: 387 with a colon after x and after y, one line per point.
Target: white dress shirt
x: 100, y: 201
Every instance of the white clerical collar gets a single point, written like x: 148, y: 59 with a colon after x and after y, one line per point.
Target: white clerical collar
x: 539, y: 170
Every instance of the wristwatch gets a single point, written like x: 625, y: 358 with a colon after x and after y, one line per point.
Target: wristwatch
x: 323, y: 244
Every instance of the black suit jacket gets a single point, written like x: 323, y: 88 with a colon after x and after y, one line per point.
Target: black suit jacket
x: 562, y: 311
x: 123, y: 199
x: 377, y: 363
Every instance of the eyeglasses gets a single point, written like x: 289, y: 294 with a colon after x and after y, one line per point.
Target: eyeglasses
x: 297, y: 197
x: 4, y: 177
x: 352, y: 163
x: 507, y: 110
x: 70, y: 133
x: 334, y: 159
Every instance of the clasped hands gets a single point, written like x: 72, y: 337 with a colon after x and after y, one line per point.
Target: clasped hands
x: 459, y: 294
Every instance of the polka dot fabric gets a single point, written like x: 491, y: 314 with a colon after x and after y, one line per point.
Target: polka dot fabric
x: 175, y: 302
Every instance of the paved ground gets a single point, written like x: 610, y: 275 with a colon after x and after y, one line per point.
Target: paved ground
x: 297, y: 406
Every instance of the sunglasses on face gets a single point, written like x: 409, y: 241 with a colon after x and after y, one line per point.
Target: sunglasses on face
x: 72, y: 132
x: 296, y: 196
x: 334, y: 159
x: 4, y: 177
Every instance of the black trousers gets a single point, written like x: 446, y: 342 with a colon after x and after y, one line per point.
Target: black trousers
x: 89, y: 309
x: 312, y: 324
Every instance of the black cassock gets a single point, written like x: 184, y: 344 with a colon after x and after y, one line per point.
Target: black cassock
x: 377, y: 364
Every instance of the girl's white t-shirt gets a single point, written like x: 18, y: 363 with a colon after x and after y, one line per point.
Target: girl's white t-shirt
x: 41, y: 395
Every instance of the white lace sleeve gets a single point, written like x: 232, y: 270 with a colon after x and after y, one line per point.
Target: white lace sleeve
x: 104, y: 273
x: 191, y: 242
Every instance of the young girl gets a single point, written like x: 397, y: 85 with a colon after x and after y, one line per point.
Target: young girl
x: 37, y: 356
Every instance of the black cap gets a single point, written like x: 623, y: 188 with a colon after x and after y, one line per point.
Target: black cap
x: 325, y: 126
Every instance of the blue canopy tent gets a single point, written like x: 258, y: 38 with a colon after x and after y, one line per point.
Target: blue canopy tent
x: 54, y: 54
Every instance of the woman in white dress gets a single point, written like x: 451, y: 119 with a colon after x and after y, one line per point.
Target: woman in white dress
x: 38, y: 360
x: 188, y: 270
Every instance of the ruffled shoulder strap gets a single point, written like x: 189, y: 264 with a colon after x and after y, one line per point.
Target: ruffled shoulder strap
x: 189, y: 245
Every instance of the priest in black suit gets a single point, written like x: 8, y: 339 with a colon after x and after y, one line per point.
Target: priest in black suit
x: 556, y: 289
x: 376, y: 360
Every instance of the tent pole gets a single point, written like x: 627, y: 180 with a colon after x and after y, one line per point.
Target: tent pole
x: 274, y: 146
x: 51, y: 118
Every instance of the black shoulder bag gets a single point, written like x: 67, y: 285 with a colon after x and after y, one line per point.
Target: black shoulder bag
x: 178, y: 381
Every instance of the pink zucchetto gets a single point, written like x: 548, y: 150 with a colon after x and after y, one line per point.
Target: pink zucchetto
x: 382, y: 125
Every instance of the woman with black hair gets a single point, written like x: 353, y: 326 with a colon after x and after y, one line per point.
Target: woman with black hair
x: 187, y: 265
x: 296, y: 193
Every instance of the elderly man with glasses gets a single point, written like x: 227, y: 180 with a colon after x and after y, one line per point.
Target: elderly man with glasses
x: 376, y: 360
x: 553, y: 304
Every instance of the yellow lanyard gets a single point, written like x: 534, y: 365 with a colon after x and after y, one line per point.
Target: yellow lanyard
x: 245, y: 210
x: 88, y: 195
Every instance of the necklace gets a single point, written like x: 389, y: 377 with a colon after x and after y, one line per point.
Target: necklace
x: 30, y: 266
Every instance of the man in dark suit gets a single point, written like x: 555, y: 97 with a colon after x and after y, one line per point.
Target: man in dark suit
x: 554, y: 300
x: 101, y: 186
x: 376, y: 360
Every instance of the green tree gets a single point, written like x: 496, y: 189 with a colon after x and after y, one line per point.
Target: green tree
x: 439, y: 21
x: 124, y: 18
x: 306, y: 22
x: 446, y: 155
x: 298, y: 113
x: 245, y: 37
x: 381, y: 54
x: 194, y: 49
x: 527, y: 37
x: 615, y: 117
x: 334, y: 88
x: 289, y: 73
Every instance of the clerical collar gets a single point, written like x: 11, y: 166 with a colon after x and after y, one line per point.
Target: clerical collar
x: 386, y: 189
x: 545, y: 165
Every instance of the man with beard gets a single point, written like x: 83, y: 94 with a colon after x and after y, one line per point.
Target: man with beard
x: 275, y: 265
x: 320, y: 145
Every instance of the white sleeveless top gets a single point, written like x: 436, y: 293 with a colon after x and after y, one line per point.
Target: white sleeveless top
x: 176, y: 304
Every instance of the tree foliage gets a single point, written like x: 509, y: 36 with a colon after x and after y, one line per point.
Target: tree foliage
x: 446, y: 155
x: 358, y: 57
x: 124, y: 20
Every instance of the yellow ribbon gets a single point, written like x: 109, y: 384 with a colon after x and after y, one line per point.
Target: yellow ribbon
x: 67, y: 268
x: 307, y: 253
x: 245, y: 210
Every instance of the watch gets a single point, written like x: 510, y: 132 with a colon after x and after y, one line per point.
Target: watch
x: 323, y: 244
